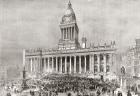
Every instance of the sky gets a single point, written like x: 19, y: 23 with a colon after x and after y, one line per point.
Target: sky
x: 35, y: 24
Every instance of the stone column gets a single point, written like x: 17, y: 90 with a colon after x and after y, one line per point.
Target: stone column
x: 48, y: 65
x: 31, y: 63
x: 74, y: 64
x: 85, y: 63
x: 27, y: 65
x: 38, y: 66
x: 70, y: 33
x: 66, y: 64
x: 62, y: 33
x: 60, y: 64
x: 35, y: 65
x: 40, y: 61
x: 70, y: 64
x: 105, y: 63
x: 44, y: 65
x: 93, y: 63
x: 111, y: 62
x: 56, y: 64
x: 79, y: 64
x: 90, y: 60
x: 52, y: 64
x: 74, y: 33
x: 66, y: 33
x: 90, y: 63
x: 98, y: 60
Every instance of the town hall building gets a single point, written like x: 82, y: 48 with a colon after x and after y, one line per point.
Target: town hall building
x: 71, y: 57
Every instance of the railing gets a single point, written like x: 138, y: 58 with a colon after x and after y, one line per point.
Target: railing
x: 54, y: 51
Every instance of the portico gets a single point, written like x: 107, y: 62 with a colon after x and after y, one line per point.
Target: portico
x: 71, y: 63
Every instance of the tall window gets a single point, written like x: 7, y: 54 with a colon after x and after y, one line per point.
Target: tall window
x: 101, y: 58
x: 101, y: 68
x: 95, y: 59
x: 95, y: 69
x: 72, y: 32
x: 107, y: 58
x: 64, y: 33
x: 107, y: 68
x: 42, y: 63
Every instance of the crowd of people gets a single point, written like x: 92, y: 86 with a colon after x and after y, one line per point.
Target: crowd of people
x: 82, y: 85
x: 54, y: 85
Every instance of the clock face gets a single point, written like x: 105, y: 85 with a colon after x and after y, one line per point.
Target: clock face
x: 67, y: 19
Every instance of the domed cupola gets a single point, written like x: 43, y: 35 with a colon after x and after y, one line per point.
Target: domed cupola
x: 69, y: 15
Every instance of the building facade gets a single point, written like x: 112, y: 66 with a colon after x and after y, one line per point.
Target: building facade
x: 133, y: 59
x: 71, y: 57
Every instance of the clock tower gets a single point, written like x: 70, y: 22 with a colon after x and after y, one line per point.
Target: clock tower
x: 69, y: 30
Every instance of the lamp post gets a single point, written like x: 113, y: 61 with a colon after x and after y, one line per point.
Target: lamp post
x: 122, y: 77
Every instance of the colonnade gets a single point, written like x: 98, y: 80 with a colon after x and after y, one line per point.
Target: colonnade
x: 67, y: 33
x: 70, y: 64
